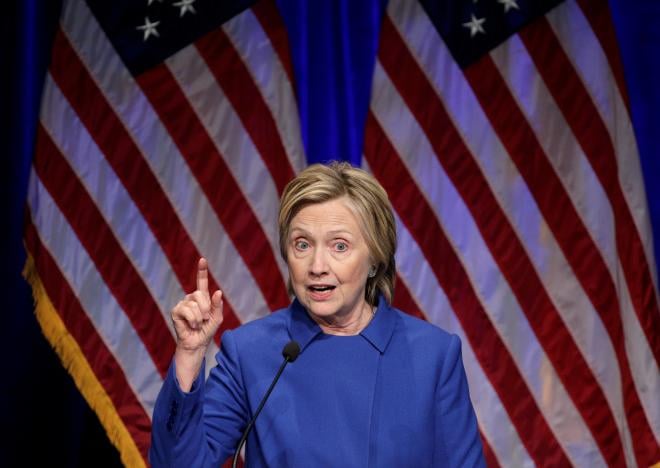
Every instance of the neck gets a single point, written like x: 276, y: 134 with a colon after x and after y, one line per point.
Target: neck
x: 351, y: 325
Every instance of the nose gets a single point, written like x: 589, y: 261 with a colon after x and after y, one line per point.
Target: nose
x: 318, y: 265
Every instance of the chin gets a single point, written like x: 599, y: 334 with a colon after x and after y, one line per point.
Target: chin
x: 322, y: 309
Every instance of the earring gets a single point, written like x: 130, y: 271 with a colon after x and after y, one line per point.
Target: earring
x: 372, y: 271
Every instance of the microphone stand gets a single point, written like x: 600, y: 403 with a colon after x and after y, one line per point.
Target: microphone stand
x: 290, y: 353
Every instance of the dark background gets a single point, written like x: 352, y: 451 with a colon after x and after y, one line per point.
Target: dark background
x: 44, y: 418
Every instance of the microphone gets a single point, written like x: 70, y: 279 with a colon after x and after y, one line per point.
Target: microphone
x: 290, y: 353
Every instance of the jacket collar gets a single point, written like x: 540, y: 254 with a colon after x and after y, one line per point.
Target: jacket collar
x: 379, y: 331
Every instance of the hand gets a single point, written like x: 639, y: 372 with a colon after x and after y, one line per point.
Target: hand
x: 196, y: 319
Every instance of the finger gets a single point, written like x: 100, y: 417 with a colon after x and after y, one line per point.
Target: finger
x: 216, y: 304
x: 216, y: 300
x: 197, y: 316
x: 203, y: 276
x: 201, y: 299
x: 186, y: 314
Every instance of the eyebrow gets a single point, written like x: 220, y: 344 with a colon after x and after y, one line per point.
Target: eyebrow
x: 334, y: 232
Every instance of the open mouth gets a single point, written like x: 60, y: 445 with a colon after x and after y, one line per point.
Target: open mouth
x: 321, y: 288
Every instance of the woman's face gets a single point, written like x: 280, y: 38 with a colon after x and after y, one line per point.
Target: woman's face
x: 329, y: 261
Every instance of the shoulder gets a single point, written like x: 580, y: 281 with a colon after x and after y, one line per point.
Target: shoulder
x: 426, y: 340
x: 422, y: 330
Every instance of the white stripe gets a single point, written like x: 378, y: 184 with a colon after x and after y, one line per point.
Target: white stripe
x: 584, y: 189
x: 495, y: 294
x: 259, y: 56
x: 586, y: 54
x: 115, y: 204
x: 165, y: 161
x: 107, y: 316
x: 231, y: 139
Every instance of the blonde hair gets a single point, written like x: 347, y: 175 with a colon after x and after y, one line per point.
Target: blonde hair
x: 320, y: 183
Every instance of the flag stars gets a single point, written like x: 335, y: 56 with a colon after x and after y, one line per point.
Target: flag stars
x: 185, y: 6
x: 508, y: 4
x: 149, y: 28
x: 475, y: 25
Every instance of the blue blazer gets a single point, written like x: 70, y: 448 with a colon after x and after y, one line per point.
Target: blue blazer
x: 393, y: 396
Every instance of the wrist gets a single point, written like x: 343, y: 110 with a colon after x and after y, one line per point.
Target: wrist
x: 188, y: 364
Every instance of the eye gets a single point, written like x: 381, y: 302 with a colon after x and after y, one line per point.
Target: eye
x: 341, y: 246
x: 301, y: 245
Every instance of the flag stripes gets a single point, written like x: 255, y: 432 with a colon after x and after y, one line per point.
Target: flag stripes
x: 266, y: 13
x: 217, y: 182
x: 600, y: 21
x: 115, y: 204
x: 110, y: 260
x: 125, y: 158
x: 564, y: 222
x: 269, y: 66
x: 588, y: 59
x: 515, y: 134
x: 193, y: 204
x: 242, y: 92
x: 225, y: 128
x: 594, y: 275
x: 590, y: 131
x: 584, y: 190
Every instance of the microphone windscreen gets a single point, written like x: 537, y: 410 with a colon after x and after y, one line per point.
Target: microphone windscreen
x: 291, y: 351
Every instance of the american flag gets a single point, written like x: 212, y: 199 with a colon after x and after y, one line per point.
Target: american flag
x: 501, y: 131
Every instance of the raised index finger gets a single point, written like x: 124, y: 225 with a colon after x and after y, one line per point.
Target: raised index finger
x: 203, y: 275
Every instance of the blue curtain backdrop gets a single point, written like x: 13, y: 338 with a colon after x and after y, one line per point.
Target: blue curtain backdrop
x: 332, y: 45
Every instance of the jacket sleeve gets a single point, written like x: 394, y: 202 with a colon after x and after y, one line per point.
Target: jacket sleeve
x: 459, y: 442
x: 201, y: 427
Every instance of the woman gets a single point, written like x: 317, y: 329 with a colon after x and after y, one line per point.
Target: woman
x: 372, y: 386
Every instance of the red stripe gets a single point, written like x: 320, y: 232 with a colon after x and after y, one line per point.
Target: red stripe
x: 109, y: 258
x: 246, y: 99
x: 98, y: 356
x: 590, y: 131
x: 489, y: 455
x: 272, y: 24
x: 216, y: 180
x: 587, y: 126
x: 499, y: 235
x: 598, y: 14
x: 492, y: 353
x: 127, y: 161
x: 404, y: 301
